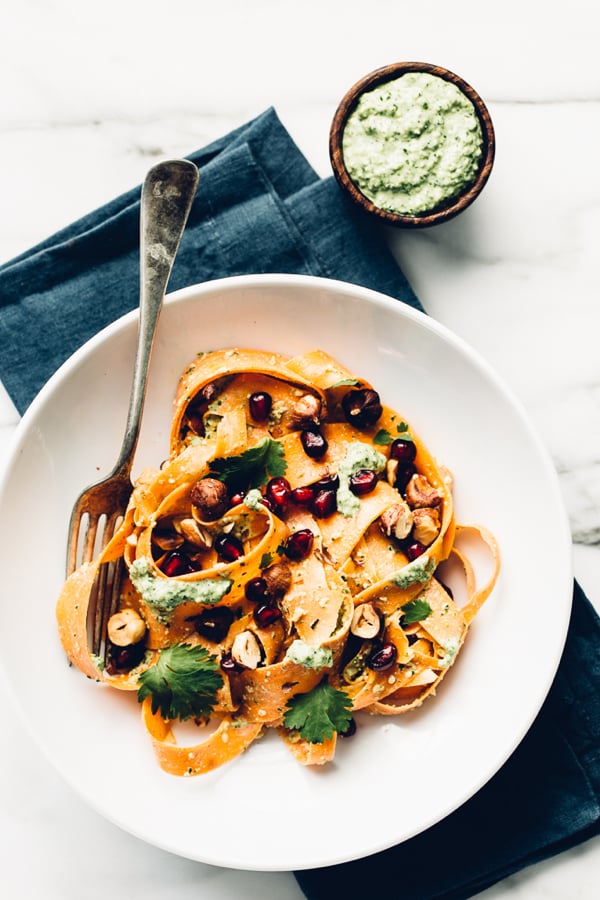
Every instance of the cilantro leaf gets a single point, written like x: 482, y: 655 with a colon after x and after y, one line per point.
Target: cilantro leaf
x: 265, y: 560
x: 415, y: 611
x: 320, y: 712
x: 382, y: 437
x: 344, y: 382
x: 402, y: 428
x: 253, y: 467
x: 182, y: 683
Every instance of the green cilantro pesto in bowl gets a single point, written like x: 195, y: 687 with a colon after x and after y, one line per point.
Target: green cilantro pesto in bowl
x: 412, y: 143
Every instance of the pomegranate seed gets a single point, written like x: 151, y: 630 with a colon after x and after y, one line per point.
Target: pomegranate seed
x: 324, y: 504
x: 299, y: 544
x: 228, y: 547
x: 403, y: 476
x: 176, y: 563
x: 278, y: 492
x: 415, y: 550
x: 403, y: 450
x: 257, y: 590
x: 260, y: 404
x: 363, y: 482
x: 328, y: 482
x: 313, y: 442
x: 362, y: 407
x: 120, y: 658
x: 350, y: 730
x: 303, y: 496
x: 266, y: 615
x: 228, y: 663
x: 214, y: 623
x: 382, y: 657
x: 237, y: 498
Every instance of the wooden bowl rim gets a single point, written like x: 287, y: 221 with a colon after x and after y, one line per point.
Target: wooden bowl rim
x: 347, y: 105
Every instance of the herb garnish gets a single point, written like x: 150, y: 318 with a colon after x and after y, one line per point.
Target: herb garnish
x: 253, y: 467
x: 383, y: 437
x: 345, y: 381
x: 415, y: 611
x: 265, y: 560
x: 318, y: 713
x: 183, y: 682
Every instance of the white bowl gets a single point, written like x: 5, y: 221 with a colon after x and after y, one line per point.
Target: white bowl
x: 395, y: 777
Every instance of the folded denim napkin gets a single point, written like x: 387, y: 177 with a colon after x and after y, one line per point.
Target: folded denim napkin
x: 262, y: 208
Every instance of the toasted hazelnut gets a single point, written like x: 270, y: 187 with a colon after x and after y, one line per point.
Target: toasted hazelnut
x: 209, y: 498
x: 247, y: 650
x: 278, y: 578
x: 125, y: 628
x: 420, y: 492
x: 391, y: 471
x: 426, y: 525
x: 167, y: 540
x: 366, y: 621
x: 306, y: 412
x: 193, y: 533
x: 397, y: 520
x: 209, y: 392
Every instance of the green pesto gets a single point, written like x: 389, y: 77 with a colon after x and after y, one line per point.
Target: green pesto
x: 451, y: 647
x: 165, y: 595
x: 309, y: 657
x: 418, y: 571
x: 254, y: 500
x: 413, y: 144
x: 358, y: 456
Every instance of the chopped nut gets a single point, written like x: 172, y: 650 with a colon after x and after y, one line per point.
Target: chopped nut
x: 125, y: 628
x: 247, y: 650
x: 420, y: 492
x: 305, y: 412
x: 397, y: 520
x: 426, y: 525
x: 209, y: 499
x: 278, y: 578
x: 166, y: 539
x: 209, y: 392
x: 366, y: 621
x: 193, y: 533
x: 391, y: 471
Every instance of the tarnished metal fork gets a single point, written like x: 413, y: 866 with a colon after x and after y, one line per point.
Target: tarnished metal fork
x: 166, y: 199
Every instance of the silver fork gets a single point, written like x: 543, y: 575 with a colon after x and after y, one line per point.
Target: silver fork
x: 167, y: 195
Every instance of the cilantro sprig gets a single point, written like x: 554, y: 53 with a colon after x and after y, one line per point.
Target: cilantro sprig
x: 183, y: 682
x: 352, y: 382
x: 318, y: 713
x: 415, y: 611
x: 252, y: 468
x: 383, y: 437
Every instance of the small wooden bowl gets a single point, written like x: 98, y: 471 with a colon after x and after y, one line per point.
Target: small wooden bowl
x: 440, y: 213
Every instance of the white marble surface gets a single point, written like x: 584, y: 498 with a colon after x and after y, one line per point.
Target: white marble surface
x: 92, y: 95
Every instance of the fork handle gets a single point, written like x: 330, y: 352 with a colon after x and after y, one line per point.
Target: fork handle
x: 167, y: 195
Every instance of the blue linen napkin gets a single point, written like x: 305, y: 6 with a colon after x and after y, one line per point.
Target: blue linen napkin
x: 262, y: 208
